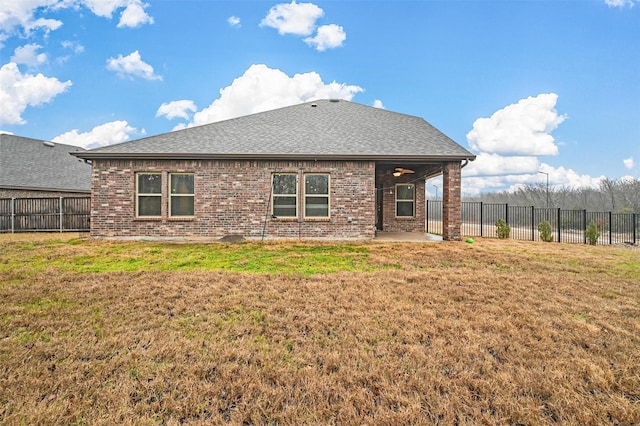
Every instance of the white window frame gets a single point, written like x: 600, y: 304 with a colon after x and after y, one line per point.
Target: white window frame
x: 187, y: 195
x: 406, y: 200
x: 145, y: 194
x: 327, y: 195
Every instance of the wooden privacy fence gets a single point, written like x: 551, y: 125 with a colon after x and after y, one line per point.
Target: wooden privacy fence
x: 59, y: 214
x: 569, y: 226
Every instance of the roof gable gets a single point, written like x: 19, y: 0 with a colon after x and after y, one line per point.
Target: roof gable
x: 318, y: 129
x: 36, y: 164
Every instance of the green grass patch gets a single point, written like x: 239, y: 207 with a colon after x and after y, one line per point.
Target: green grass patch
x: 38, y: 305
x: 95, y: 257
x: 610, y: 294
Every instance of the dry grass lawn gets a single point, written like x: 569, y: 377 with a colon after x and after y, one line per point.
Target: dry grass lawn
x: 495, y: 332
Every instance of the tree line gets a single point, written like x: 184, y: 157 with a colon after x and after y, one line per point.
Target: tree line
x: 614, y: 195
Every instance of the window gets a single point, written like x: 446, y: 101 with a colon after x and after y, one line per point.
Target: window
x: 316, y: 195
x: 148, y: 194
x: 181, y: 194
x: 285, y: 195
x: 405, y: 200
x: 285, y: 189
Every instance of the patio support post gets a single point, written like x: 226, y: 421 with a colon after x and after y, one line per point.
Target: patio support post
x: 451, y: 202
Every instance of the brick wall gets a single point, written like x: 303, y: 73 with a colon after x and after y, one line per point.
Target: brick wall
x: 451, y: 202
x: 232, y: 198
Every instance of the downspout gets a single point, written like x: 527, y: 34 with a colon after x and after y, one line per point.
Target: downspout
x: 266, y: 215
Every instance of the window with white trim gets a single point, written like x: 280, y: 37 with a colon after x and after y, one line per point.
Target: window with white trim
x: 284, y: 187
x: 316, y: 195
x: 181, y: 194
x: 148, y: 194
x: 405, y: 200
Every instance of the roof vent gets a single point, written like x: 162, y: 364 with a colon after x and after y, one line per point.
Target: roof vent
x: 49, y: 144
x: 314, y: 105
x: 334, y: 100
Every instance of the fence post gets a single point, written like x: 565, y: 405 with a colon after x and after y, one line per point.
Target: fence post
x: 481, y: 219
x: 60, y: 213
x: 635, y: 221
x: 506, y: 213
x: 610, y: 228
x: 426, y: 214
x: 559, y: 226
x: 584, y: 223
x: 13, y: 215
x: 533, y: 220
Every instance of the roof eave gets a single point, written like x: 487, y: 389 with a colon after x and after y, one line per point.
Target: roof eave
x: 88, y: 155
x: 44, y: 189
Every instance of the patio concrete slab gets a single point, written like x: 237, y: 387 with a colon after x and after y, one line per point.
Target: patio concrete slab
x: 415, y: 237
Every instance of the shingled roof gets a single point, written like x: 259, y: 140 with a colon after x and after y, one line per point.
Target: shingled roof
x: 34, y: 164
x: 323, y: 129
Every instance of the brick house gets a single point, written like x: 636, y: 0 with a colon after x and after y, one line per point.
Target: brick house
x: 325, y: 169
x: 33, y: 168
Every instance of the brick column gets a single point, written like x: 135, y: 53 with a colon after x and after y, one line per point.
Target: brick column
x: 451, y: 202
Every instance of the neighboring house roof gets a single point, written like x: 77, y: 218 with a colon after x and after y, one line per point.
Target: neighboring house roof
x: 33, y: 164
x: 323, y: 129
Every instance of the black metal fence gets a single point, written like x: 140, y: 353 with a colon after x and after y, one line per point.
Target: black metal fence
x: 569, y: 226
x: 59, y: 214
x: 72, y: 214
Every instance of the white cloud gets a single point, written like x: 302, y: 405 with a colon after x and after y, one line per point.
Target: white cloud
x: 234, y: 21
x: 561, y: 176
x: 629, y: 163
x: 378, y: 104
x: 102, y: 135
x: 300, y: 19
x: 508, y: 145
x: 17, y: 91
x: 177, y: 109
x: 131, y: 66
x: 497, y: 165
x: 73, y: 46
x: 104, y: 8
x: 327, y: 37
x: 619, y: 3
x: 293, y: 18
x: 28, y: 55
x: 262, y: 88
x: 17, y: 16
x: 496, y: 173
x: 134, y: 15
x: 521, y: 129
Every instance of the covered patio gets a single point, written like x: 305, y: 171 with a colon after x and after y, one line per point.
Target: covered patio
x: 400, y: 197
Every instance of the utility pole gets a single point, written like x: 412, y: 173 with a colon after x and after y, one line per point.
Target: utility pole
x: 436, y: 191
x: 545, y: 173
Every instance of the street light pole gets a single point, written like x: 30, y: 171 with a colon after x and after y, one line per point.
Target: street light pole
x: 545, y: 173
x: 436, y: 192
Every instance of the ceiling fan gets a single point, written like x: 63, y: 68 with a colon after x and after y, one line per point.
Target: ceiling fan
x: 399, y: 171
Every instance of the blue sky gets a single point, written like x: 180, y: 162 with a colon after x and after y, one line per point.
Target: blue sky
x: 528, y: 86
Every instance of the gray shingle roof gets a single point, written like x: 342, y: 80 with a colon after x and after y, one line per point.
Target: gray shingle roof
x: 313, y: 130
x: 35, y: 164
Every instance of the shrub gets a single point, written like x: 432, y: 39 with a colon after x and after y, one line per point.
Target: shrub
x: 545, y: 231
x: 502, y: 229
x: 592, y: 233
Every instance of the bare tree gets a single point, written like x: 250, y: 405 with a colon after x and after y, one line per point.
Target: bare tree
x: 622, y: 195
